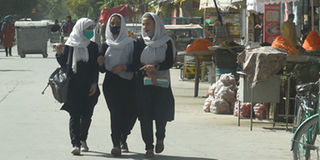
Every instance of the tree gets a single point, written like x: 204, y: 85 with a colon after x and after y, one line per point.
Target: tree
x: 51, y: 9
x: 17, y: 8
x: 79, y: 8
x: 141, y: 6
x: 110, y: 3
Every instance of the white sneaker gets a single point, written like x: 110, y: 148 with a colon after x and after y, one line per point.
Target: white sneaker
x: 75, y: 151
x: 84, y: 146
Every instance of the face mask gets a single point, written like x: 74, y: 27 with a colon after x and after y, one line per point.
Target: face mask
x: 88, y: 34
x: 115, y: 30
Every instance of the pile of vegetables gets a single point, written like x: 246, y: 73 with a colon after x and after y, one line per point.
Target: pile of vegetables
x: 312, y: 42
x: 199, y: 45
x: 282, y: 43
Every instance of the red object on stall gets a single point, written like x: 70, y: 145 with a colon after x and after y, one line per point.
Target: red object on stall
x: 312, y: 41
x: 124, y: 10
x: 282, y: 43
x: 199, y: 45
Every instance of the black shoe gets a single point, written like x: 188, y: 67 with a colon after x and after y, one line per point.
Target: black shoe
x: 124, y: 147
x: 149, y: 153
x: 159, y: 146
x: 116, y: 151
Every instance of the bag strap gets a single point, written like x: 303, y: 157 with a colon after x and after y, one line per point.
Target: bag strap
x: 68, y: 64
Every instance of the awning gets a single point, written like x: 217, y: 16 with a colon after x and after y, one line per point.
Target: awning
x: 254, y: 6
x: 224, y: 5
x: 258, y: 5
x: 271, y: 1
x: 124, y: 10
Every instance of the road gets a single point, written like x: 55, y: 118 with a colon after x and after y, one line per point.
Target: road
x: 33, y: 127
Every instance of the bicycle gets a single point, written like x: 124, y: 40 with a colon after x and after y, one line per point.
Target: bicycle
x: 304, y: 144
x: 305, y: 103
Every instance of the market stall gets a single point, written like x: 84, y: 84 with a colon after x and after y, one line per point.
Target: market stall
x: 224, y: 21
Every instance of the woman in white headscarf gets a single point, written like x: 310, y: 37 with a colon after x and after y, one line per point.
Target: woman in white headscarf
x: 153, y: 57
x: 83, y: 91
x: 118, y: 86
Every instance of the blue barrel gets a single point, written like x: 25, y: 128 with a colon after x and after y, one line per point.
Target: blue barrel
x: 220, y: 71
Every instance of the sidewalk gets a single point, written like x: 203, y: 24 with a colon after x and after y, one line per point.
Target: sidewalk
x: 33, y: 128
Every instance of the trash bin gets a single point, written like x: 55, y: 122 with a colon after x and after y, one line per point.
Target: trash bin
x: 32, y: 37
x: 225, y: 61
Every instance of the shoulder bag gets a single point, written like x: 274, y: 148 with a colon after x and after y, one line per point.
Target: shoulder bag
x: 59, y: 81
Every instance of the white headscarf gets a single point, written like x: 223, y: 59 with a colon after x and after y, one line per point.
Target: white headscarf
x: 120, y: 50
x: 155, y: 51
x: 79, y: 42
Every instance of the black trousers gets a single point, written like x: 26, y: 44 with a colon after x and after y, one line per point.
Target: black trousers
x: 8, y: 51
x: 79, y: 125
x: 120, y: 99
x: 147, y: 131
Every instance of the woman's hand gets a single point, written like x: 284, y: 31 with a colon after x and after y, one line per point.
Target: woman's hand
x: 118, y: 68
x: 153, y: 77
x: 59, y: 49
x: 92, y: 90
x: 149, y: 67
x: 100, y: 60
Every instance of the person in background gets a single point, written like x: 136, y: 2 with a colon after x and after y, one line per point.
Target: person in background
x: 288, y: 30
x: 7, y: 29
x: 103, y: 32
x: 220, y: 32
x: 83, y: 90
x: 118, y: 86
x: 258, y: 28
x: 97, y: 35
x: 56, y: 26
x: 1, y: 36
x: 153, y: 57
x: 67, y: 26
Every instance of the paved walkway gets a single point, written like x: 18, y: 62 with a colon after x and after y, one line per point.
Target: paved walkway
x: 33, y: 128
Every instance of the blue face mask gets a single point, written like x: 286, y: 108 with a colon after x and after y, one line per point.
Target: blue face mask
x: 88, y: 34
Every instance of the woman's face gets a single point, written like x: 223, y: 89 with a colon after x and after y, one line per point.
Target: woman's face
x: 115, y: 21
x: 88, y: 32
x: 148, y: 25
x: 115, y: 26
x: 90, y: 27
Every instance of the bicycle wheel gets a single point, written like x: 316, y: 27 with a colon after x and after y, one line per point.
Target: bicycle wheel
x: 306, y: 143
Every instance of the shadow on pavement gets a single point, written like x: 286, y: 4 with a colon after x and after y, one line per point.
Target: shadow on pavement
x: 140, y: 156
x: 278, y: 129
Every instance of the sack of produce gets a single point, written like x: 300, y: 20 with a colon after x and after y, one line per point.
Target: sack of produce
x: 312, y: 42
x: 282, y: 43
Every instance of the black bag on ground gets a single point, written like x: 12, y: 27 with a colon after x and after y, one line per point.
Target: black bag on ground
x: 59, y: 82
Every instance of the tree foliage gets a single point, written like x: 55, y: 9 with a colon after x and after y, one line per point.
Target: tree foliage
x: 51, y: 9
x: 59, y: 9
x: 17, y: 8
x: 79, y: 8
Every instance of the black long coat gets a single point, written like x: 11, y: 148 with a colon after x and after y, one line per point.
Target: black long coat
x: 78, y: 100
x: 153, y: 102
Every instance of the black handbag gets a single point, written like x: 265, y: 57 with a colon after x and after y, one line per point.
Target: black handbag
x: 59, y: 81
